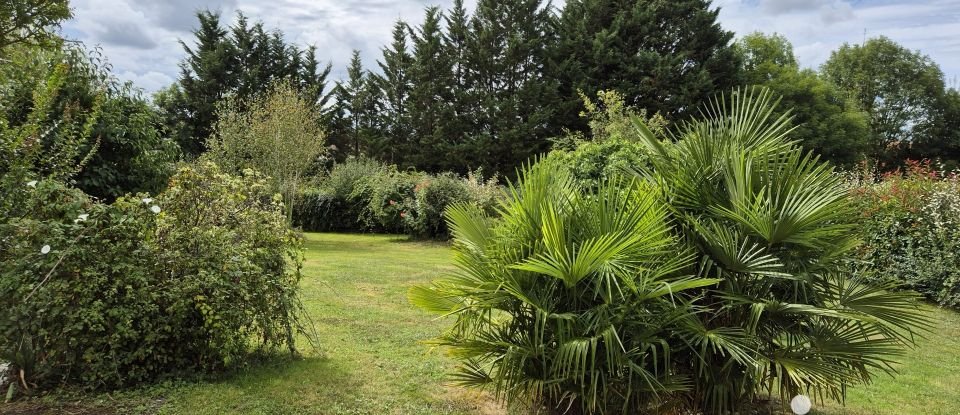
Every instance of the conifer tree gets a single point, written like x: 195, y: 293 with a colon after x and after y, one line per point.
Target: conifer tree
x: 506, y: 56
x: 431, y: 97
x: 664, y: 57
x: 242, y: 61
x: 394, y: 83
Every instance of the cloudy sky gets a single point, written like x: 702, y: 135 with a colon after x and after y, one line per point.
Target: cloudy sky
x: 140, y: 37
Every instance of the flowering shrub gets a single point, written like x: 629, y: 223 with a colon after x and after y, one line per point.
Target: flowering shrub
x: 109, y: 295
x: 388, y: 197
x: 910, y: 226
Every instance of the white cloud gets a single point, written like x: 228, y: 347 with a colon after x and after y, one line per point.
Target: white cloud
x: 141, y: 37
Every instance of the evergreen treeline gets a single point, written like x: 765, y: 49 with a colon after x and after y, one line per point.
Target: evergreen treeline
x: 486, y: 88
x: 491, y: 87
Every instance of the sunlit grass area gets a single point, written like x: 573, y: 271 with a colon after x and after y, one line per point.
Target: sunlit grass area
x: 371, y: 359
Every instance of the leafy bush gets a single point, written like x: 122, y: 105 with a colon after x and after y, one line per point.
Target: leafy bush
x: 559, y: 302
x: 361, y: 195
x: 910, y: 225
x: 592, y: 162
x: 388, y: 197
x: 335, y: 204
x: 124, y: 150
x: 112, y: 295
x: 432, y: 196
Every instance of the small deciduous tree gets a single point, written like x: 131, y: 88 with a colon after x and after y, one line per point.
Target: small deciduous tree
x: 900, y: 89
x: 31, y: 21
x: 277, y: 133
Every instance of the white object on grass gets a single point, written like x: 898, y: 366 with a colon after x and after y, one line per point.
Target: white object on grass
x: 800, y: 404
x: 155, y: 209
x: 45, y: 250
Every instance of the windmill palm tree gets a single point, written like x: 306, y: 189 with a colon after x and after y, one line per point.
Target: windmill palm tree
x: 711, y: 275
x: 774, y: 225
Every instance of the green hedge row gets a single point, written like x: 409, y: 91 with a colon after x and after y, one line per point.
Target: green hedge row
x: 361, y: 195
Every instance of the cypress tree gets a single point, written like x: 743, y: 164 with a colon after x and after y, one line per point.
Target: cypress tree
x: 663, y: 56
x: 506, y: 56
x: 431, y: 97
x: 394, y: 87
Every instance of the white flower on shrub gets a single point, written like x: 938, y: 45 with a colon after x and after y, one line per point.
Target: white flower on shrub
x: 45, y: 250
x: 81, y: 218
x: 32, y: 183
x: 155, y: 209
x: 147, y: 200
x: 942, y: 208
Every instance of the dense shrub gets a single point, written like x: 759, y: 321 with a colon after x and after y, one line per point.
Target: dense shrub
x: 334, y: 204
x: 387, y: 196
x: 591, y: 162
x: 361, y: 195
x: 424, y: 217
x: 111, y: 295
x: 910, y: 226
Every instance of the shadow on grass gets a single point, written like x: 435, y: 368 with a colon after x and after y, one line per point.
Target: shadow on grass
x: 268, y: 384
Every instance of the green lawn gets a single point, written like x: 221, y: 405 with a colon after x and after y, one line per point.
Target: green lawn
x: 371, y: 361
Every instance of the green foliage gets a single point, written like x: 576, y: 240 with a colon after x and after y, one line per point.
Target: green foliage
x: 719, y: 275
x: 126, y: 152
x: 243, y: 61
x: 424, y: 216
x: 386, y: 197
x: 42, y: 141
x: 828, y: 122
x: 592, y: 163
x: 31, y: 22
x: 665, y: 57
x: 763, y: 57
x: 278, y: 134
x: 910, y: 225
x: 362, y: 195
x: 333, y: 204
x: 193, y: 281
x: 900, y: 90
x: 774, y: 224
x: 613, y: 147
